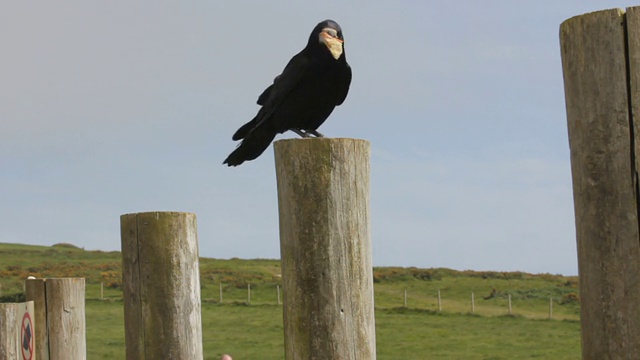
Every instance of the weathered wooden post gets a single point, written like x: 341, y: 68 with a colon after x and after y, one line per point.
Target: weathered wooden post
x: 161, y: 282
x: 601, y: 65
x: 325, y: 245
x: 17, y: 331
x: 59, y: 317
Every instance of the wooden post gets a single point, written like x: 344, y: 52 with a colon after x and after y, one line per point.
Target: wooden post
x: 161, y: 281
x: 278, y: 289
x: 325, y: 246
x: 473, y: 303
x: 550, y: 308
x: 509, y: 304
x: 601, y: 66
x: 439, y: 302
x: 248, y: 293
x: 17, y: 331
x: 36, y: 292
x: 101, y: 291
x: 220, y: 292
x: 66, y: 318
x: 405, y: 298
x: 59, y: 317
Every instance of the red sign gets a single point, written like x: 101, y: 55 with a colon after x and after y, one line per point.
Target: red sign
x: 27, y: 337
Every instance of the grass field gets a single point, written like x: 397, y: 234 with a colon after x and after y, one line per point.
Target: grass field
x: 254, y: 331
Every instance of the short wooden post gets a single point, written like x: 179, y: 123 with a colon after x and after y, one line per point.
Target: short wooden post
x: 66, y: 318
x: 601, y: 66
x: 550, y: 308
x: 248, y: 293
x: 36, y: 292
x: 473, y: 303
x: 325, y: 246
x: 59, y: 317
x: 161, y: 281
x: 101, y: 291
x: 220, y: 292
x: 509, y: 304
x: 405, y: 298
x: 17, y: 331
x: 278, y: 290
x: 439, y: 302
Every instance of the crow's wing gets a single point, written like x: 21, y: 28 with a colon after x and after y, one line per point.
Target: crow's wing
x: 343, y: 87
x: 276, y: 93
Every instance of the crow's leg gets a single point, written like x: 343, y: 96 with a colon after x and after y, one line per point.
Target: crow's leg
x: 314, y: 133
x: 300, y: 132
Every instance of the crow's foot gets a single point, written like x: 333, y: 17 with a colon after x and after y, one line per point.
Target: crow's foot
x: 315, y: 133
x: 300, y: 132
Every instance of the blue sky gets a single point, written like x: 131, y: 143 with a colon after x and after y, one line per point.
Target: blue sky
x: 109, y: 108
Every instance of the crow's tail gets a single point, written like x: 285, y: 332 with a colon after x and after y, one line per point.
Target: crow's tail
x: 255, y: 143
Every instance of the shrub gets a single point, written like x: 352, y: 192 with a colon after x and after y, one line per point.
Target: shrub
x: 570, y: 298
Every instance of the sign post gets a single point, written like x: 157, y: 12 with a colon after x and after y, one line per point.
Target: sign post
x: 16, y: 321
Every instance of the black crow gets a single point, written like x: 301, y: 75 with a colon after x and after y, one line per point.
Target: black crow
x: 300, y: 99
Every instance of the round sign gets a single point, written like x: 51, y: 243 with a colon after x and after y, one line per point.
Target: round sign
x: 26, y: 335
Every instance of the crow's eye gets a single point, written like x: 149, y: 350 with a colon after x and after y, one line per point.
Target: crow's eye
x: 331, y: 32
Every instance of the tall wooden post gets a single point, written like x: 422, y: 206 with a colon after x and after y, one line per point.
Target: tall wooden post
x: 600, y: 60
x: 161, y: 281
x: 325, y: 245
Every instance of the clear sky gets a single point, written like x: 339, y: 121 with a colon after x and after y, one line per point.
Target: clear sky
x: 116, y: 107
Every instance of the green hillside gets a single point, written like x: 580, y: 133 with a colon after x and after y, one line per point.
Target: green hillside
x: 254, y: 330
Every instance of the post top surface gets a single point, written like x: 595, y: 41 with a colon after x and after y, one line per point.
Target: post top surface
x: 159, y: 213
x: 585, y: 16
x: 320, y: 139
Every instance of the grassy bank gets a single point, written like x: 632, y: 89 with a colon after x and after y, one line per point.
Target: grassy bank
x: 254, y: 331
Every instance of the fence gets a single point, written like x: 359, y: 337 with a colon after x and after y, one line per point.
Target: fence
x: 438, y: 301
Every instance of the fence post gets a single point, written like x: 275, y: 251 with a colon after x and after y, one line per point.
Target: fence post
x: 405, y: 298
x: 161, y: 282
x: 439, y: 302
x: 473, y: 303
x: 36, y: 293
x: 509, y: 304
x: 601, y: 66
x: 325, y: 246
x: 278, y: 289
x: 59, y: 317
x: 16, y: 331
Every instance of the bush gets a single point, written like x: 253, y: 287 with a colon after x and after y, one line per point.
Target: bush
x: 13, y: 298
x: 570, y: 298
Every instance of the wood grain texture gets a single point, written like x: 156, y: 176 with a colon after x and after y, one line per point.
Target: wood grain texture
x: 9, y: 341
x: 603, y: 164
x: 325, y: 246
x: 35, y: 291
x: 66, y: 318
x: 161, y: 282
